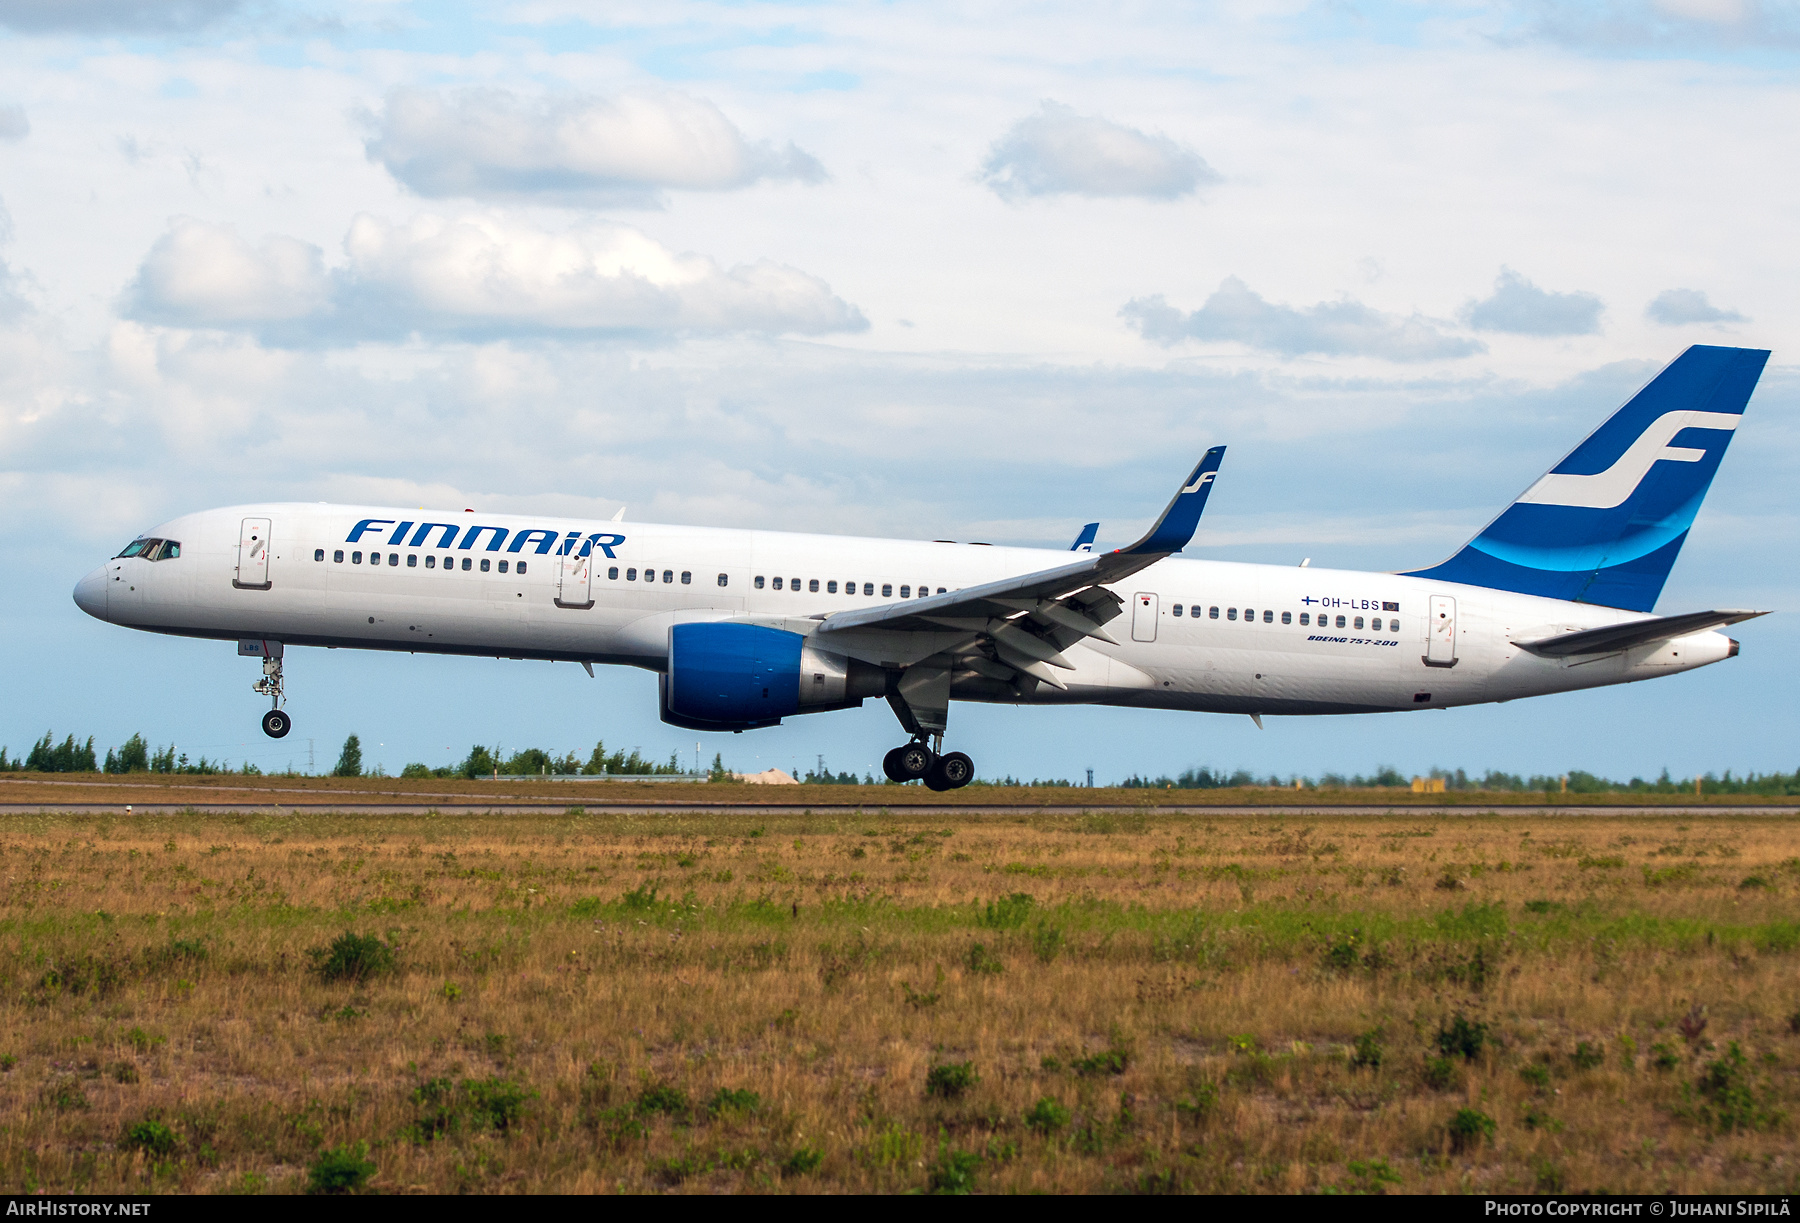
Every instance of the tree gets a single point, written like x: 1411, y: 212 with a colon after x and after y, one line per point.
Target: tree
x: 133, y: 757
x: 350, y: 759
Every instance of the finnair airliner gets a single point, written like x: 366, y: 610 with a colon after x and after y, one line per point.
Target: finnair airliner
x: 745, y: 628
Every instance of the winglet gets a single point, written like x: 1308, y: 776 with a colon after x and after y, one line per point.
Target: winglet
x: 1176, y: 526
x: 1084, y: 542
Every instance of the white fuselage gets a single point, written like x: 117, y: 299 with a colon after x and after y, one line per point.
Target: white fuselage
x: 1320, y: 640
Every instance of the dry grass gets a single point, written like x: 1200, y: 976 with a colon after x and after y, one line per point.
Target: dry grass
x: 573, y: 992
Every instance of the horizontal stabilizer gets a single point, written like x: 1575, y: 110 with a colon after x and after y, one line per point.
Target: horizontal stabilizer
x: 1616, y: 637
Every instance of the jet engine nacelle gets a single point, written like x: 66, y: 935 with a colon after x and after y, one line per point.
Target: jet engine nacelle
x: 725, y: 676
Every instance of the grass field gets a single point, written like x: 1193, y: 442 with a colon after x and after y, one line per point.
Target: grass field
x: 312, y: 791
x: 1132, y: 1001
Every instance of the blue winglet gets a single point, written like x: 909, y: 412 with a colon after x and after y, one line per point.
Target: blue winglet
x: 1084, y: 542
x: 1176, y: 526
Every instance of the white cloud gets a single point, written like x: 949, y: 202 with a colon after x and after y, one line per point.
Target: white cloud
x: 14, y: 125
x: 208, y: 274
x: 481, y: 276
x: 1237, y: 314
x: 571, y: 148
x: 1520, y: 307
x: 1675, y: 307
x: 112, y: 16
x: 1059, y: 152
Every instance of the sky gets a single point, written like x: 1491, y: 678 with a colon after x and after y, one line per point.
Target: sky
x: 917, y: 270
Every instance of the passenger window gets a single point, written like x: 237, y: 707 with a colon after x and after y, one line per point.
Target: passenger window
x: 1358, y: 623
x: 868, y: 588
x: 631, y: 575
x: 356, y: 558
x: 758, y: 583
x: 649, y: 575
x: 338, y: 556
x: 1177, y: 610
x: 794, y: 585
x: 1231, y: 613
x: 394, y: 558
x: 940, y: 590
x: 612, y: 574
x: 777, y: 583
x: 1212, y: 613
x: 668, y: 575
x: 887, y: 590
x: 430, y: 561
x: 484, y: 564
x: 467, y: 564
x: 1287, y: 617
x: 687, y: 576
x: 1340, y: 622
x: 813, y: 585
x: 906, y: 592
x: 1375, y: 624
x: 1194, y: 611
x: 412, y: 560
x: 831, y: 588
x: 318, y: 554
x: 1249, y: 615
x: 724, y: 580
x: 1305, y: 619
x: 521, y: 566
x: 1393, y: 626
x: 502, y: 566
x: 924, y: 592
x: 1268, y: 616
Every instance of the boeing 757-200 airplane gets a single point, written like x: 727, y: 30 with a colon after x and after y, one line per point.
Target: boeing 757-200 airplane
x: 745, y: 628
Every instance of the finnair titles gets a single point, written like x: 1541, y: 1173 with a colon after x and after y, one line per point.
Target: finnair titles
x: 745, y: 628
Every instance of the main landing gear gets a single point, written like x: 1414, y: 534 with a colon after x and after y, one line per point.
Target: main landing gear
x: 916, y: 761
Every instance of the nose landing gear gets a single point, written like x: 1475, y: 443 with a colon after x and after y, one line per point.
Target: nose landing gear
x: 275, y: 723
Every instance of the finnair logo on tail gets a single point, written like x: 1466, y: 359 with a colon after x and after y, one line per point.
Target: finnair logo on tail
x: 1609, y: 489
x: 1204, y: 478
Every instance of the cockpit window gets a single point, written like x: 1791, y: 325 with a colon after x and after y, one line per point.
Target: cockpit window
x: 152, y: 549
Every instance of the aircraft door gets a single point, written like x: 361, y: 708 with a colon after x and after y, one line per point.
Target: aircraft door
x: 575, y: 582
x: 253, y: 555
x: 1440, y: 640
x: 1143, y: 617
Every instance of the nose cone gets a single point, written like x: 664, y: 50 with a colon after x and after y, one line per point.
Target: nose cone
x: 90, y: 593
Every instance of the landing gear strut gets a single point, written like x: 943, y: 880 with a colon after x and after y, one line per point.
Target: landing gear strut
x: 916, y: 761
x: 275, y: 723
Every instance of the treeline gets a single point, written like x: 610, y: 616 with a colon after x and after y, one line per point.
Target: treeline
x: 1575, y: 781
x: 136, y: 756
x: 530, y: 762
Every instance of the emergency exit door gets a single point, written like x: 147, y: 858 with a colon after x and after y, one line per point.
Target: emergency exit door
x: 1143, y: 617
x: 1440, y: 640
x: 575, y: 582
x: 253, y: 555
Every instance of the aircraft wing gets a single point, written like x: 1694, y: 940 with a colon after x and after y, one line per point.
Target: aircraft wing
x: 1028, y: 620
x: 1614, y: 637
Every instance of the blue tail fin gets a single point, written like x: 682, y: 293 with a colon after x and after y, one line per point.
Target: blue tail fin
x: 1605, y: 524
x: 1084, y: 542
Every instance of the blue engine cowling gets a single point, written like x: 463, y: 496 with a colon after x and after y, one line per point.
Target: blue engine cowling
x: 725, y: 676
